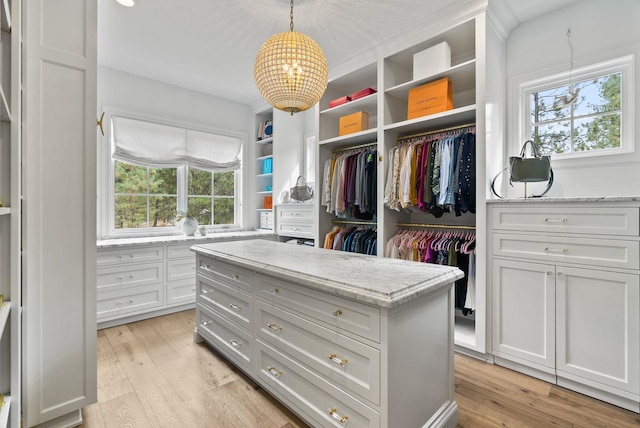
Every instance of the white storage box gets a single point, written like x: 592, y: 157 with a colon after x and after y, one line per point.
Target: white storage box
x: 431, y: 61
x: 266, y: 220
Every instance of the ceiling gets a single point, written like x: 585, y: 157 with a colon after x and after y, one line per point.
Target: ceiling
x: 210, y: 46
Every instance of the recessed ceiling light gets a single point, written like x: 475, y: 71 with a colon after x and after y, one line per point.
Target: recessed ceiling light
x: 127, y: 3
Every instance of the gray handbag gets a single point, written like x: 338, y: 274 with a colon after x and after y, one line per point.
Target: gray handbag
x: 527, y: 169
x: 301, y: 192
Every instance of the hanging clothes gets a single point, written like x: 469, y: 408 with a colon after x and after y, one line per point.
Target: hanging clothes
x: 362, y: 239
x: 434, y: 174
x: 447, y: 247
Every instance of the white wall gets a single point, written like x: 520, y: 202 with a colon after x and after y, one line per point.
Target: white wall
x: 146, y: 98
x: 600, y: 30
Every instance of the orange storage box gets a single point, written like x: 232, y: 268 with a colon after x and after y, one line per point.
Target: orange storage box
x: 355, y: 122
x: 433, y: 97
x: 267, y: 202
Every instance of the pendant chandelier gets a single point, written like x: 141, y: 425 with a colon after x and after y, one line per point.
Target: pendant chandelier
x: 291, y: 71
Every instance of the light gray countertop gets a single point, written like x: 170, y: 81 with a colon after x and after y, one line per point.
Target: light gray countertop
x: 568, y: 199
x: 380, y: 281
x: 177, y: 239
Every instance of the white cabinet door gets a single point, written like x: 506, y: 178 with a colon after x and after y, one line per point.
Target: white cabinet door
x: 598, y: 319
x: 59, y: 209
x: 524, y: 312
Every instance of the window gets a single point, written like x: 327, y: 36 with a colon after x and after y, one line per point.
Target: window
x: 157, y: 171
x: 581, y: 113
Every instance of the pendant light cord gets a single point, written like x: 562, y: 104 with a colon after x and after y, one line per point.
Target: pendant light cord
x: 291, y: 16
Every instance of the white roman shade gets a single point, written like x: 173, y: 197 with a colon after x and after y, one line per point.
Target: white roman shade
x: 166, y: 146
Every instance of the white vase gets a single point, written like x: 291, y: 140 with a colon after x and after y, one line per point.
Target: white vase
x: 189, y: 226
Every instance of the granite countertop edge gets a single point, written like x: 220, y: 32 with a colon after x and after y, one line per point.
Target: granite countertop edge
x: 183, y: 239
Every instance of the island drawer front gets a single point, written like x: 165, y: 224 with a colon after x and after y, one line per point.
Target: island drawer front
x: 321, y: 399
x: 181, y: 292
x: 227, y: 338
x: 147, y: 253
x: 227, y: 301
x: 140, y: 299
x: 178, y: 251
x: 110, y: 278
x: 623, y: 221
x: 340, y: 359
x: 558, y: 249
x: 337, y: 313
x: 181, y: 269
x: 227, y: 273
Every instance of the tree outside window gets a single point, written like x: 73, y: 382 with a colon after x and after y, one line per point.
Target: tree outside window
x: 214, y: 192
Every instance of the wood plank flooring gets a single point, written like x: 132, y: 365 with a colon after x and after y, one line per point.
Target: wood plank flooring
x: 152, y: 374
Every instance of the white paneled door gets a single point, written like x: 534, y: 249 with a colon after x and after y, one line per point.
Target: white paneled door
x: 59, y: 199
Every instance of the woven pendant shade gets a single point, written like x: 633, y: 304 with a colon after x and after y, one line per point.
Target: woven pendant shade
x: 291, y: 71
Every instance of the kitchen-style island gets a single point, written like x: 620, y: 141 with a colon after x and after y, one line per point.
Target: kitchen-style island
x: 342, y: 339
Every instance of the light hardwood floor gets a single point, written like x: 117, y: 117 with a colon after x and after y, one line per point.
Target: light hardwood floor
x: 152, y: 374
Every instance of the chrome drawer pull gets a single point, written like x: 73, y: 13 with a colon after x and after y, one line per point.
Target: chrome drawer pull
x: 337, y: 312
x: 235, y: 276
x: 274, y: 327
x: 549, y: 220
x: 234, y: 307
x: 204, y: 291
x: 552, y: 250
x: 335, y: 359
x: 275, y: 291
x: 234, y: 343
x: 549, y: 273
x: 342, y: 419
x: 273, y: 371
x: 205, y: 323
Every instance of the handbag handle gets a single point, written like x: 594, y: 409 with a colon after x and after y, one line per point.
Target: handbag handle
x: 534, y: 149
x: 493, y: 184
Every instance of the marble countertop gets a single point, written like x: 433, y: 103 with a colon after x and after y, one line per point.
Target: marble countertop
x: 177, y: 239
x: 569, y: 199
x: 377, y: 280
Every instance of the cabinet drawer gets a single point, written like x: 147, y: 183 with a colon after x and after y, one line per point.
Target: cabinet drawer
x: 226, y: 273
x: 623, y: 221
x: 110, y: 257
x: 558, y: 249
x: 179, y: 251
x: 181, y: 269
x: 133, y: 300
x: 322, y: 400
x: 295, y: 229
x: 181, y: 292
x: 224, y: 336
x: 296, y: 214
x: 342, y: 360
x: 342, y: 315
x: 229, y: 302
x: 129, y: 275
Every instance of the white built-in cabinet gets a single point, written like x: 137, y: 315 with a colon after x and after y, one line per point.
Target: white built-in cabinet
x: 58, y: 211
x: 476, y: 73
x: 264, y: 174
x: 10, y: 226
x: 566, y: 294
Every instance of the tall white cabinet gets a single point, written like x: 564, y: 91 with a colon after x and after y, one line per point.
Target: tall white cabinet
x: 476, y: 73
x: 58, y: 210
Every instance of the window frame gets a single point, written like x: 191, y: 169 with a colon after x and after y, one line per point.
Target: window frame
x: 622, y: 65
x: 106, y: 184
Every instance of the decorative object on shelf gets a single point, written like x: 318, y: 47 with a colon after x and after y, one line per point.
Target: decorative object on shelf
x: 339, y: 101
x: 268, y: 188
x: 533, y: 169
x: 266, y: 130
x: 267, y: 166
x: 430, y: 98
x: 291, y: 70
x: 362, y: 93
x: 431, y: 61
x: 267, y: 202
x: 354, y: 122
x: 189, y: 220
x: 301, y: 192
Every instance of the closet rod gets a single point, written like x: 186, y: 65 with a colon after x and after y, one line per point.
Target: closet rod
x: 361, y: 223
x: 346, y: 149
x: 423, y: 134
x: 436, y: 226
